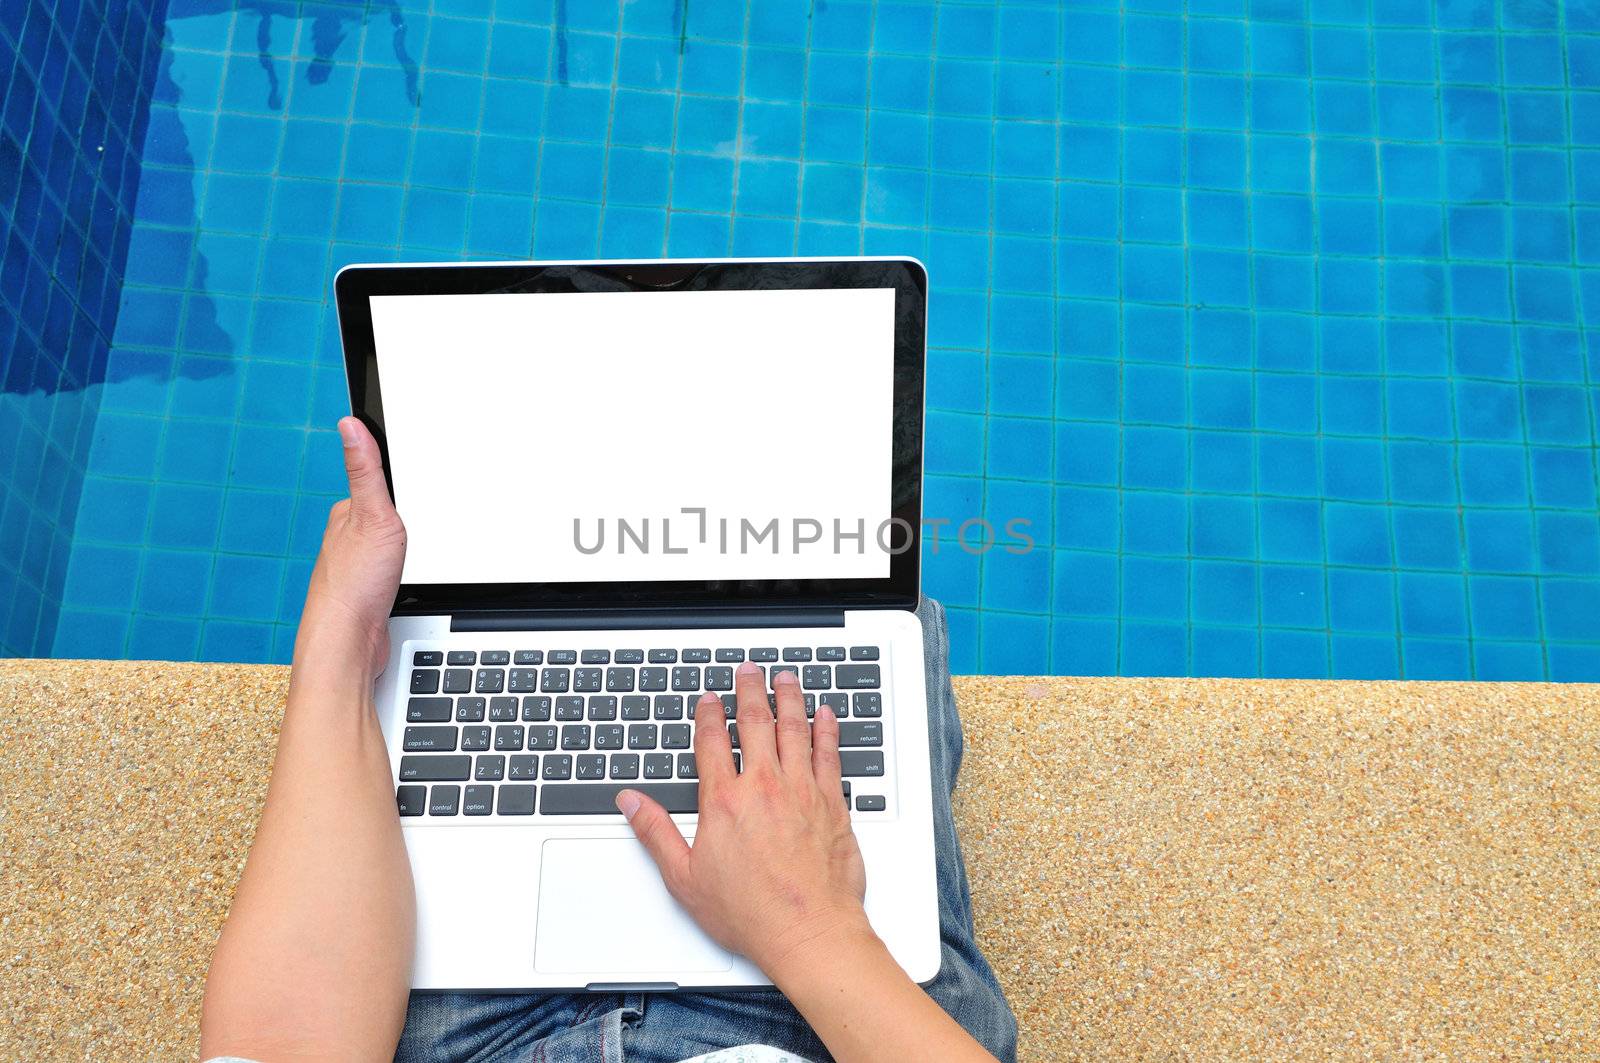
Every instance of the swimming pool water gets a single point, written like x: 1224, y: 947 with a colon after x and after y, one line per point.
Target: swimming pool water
x: 1274, y: 318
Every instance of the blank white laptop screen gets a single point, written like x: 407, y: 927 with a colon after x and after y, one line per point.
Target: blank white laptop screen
x: 561, y: 437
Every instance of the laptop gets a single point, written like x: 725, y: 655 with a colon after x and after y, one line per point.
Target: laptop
x: 620, y: 481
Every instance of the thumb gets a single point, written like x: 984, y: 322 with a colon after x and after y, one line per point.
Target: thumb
x: 363, y: 465
x: 656, y: 832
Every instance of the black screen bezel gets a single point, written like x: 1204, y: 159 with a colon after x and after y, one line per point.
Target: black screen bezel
x: 356, y: 284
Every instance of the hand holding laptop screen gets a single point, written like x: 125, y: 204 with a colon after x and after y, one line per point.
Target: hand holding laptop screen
x: 640, y: 436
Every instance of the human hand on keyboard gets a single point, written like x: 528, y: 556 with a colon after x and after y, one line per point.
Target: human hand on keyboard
x: 353, y: 586
x: 775, y: 870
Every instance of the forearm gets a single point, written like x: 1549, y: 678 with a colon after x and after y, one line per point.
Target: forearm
x: 877, y: 1013
x: 315, y: 959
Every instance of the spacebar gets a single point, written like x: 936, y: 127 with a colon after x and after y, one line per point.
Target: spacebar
x: 588, y: 799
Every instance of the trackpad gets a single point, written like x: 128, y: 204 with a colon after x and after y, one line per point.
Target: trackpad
x: 603, y: 910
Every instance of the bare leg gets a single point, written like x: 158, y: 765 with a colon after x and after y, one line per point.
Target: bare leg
x: 315, y: 959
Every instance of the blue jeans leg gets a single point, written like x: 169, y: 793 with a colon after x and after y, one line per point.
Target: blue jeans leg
x: 666, y: 1027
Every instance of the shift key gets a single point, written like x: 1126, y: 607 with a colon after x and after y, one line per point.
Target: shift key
x: 858, y: 762
x: 449, y: 769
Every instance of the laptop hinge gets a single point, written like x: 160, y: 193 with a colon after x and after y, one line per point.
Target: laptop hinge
x: 620, y: 619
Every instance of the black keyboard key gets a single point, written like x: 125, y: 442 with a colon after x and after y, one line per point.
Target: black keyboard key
x: 524, y: 680
x: 870, y: 803
x: 867, y: 704
x: 676, y: 736
x: 524, y: 767
x: 411, y: 800
x: 502, y: 710
x: 797, y: 653
x: 428, y: 710
x: 861, y: 733
x: 830, y: 653
x: 541, y: 739
x: 763, y: 654
x: 619, y: 680
x: 863, y: 653
x: 462, y: 657
x: 435, y: 769
x: 575, y: 736
x: 535, y: 709
x: 669, y: 706
x: 697, y: 656
x: 733, y: 735
x: 663, y: 656
x: 856, y: 676
x: 730, y: 656
x: 457, y: 680
x: 602, y: 707
x: 658, y: 765
x: 719, y: 677
x: 425, y: 681
x: 792, y: 669
x: 642, y: 736
x: 811, y: 705
x: 575, y: 800
x: 569, y: 709
x: 470, y: 710
x: 427, y: 658
x: 587, y: 680
x: 490, y: 681
x: 652, y: 679
x: 497, y: 657
x: 591, y: 766
x: 686, y: 767
x: 608, y: 736
x: 555, y: 680
x: 490, y: 768
x: 636, y: 707
x: 508, y: 738
x: 686, y: 677
x: 839, y: 703
x: 474, y: 739
x: 865, y: 762
x: 624, y: 766
x: 557, y: 766
x: 630, y: 657
x: 816, y: 677
x: 429, y: 740
x: 516, y: 800
x: 730, y: 705
x: 530, y: 657
x: 595, y: 657
x: 479, y: 801
x: 444, y: 801
x: 563, y: 657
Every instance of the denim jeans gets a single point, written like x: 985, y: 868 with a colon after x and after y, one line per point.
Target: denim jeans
x: 667, y: 1027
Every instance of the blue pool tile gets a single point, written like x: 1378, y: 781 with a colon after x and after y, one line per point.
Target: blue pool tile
x: 1432, y: 605
x: 1365, y: 657
x: 185, y: 515
x: 1499, y: 540
x: 87, y: 634
x: 952, y: 574
x: 245, y: 587
x: 1294, y: 654
x: 162, y: 638
x: 1361, y: 600
x: 1224, y: 651
x: 1019, y: 447
x: 230, y: 640
x: 1352, y: 469
x: 1155, y: 523
x: 113, y: 511
x: 1154, y: 588
x: 1569, y: 543
x: 1493, y: 475
x: 1357, y: 535
x: 1083, y: 647
x: 1086, y: 584
x: 1153, y: 649
x: 1574, y: 663
x: 1087, y: 517
x: 1223, y: 593
x: 1563, y: 477
x: 1436, y: 658
x: 1507, y: 661
x: 102, y: 577
x: 1015, y: 644
x: 1292, y: 596
x: 174, y: 582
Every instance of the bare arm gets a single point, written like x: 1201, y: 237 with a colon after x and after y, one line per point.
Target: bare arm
x: 775, y: 874
x: 314, y: 962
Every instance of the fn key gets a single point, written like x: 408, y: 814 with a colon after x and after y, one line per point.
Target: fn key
x: 412, y: 800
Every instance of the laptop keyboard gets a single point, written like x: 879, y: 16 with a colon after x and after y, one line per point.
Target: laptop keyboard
x: 560, y: 732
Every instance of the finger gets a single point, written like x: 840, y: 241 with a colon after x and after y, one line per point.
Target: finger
x: 793, y: 733
x: 756, y: 740
x: 825, y: 752
x: 657, y: 833
x: 713, y: 750
x: 363, y: 465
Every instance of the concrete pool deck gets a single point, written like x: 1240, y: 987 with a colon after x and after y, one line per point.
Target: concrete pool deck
x: 1174, y: 868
